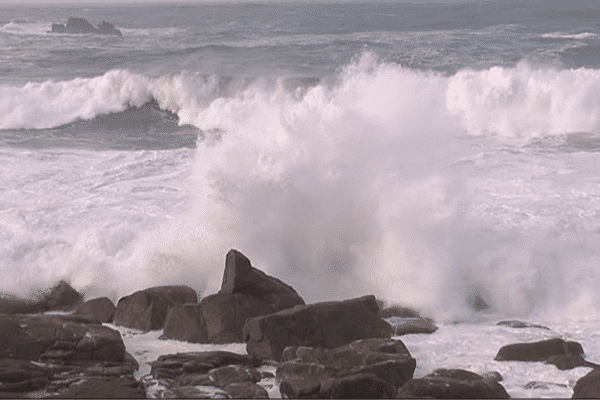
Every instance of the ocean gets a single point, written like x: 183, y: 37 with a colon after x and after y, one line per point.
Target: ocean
x: 441, y: 156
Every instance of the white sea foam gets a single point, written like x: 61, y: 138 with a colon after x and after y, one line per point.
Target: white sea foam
x: 566, y: 35
x: 362, y: 185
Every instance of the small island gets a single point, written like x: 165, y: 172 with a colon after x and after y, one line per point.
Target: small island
x: 80, y: 25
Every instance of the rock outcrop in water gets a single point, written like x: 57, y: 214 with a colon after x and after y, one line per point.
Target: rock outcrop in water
x: 80, y: 25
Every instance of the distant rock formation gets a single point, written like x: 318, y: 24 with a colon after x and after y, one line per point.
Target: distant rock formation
x: 80, y: 25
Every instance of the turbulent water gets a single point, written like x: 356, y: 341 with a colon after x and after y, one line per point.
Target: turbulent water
x: 440, y: 156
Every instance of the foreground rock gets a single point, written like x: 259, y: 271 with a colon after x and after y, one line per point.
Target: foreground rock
x: 565, y: 355
x: 61, y: 297
x: 147, y: 309
x: 101, y: 309
x: 453, y: 384
x: 588, y: 387
x: 209, y: 374
x: 246, y: 292
x: 380, y: 365
x: 80, y: 25
x: 328, y: 325
x: 397, y: 311
x: 65, y: 357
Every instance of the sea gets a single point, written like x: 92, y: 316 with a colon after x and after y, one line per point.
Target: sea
x: 443, y: 156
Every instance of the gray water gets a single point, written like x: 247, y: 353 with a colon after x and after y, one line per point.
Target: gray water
x: 435, y: 155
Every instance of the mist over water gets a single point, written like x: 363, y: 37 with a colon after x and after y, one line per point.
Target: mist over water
x: 433, y: 178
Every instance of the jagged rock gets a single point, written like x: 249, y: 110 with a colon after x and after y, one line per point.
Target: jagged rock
x: 521, y: 324
x: 588, y: 387
x: 241, y: 277
x: 405, y: 326
x: 538, y: 351
x: 328, y: 325
x: 108, y: 29
x: 147, y: 309
x: 101, y: 309
x: 172, y: 366
x: 452, y: 384
x: 246, y: 390
x: 81, y: 25
x: 61, y: 297
x: 386, y: 359
x: 220, y: 318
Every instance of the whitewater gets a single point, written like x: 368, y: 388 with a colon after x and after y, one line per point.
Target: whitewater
x: 443, y: 157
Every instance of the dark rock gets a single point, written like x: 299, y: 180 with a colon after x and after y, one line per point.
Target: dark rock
x: 108, y: 29
x: 193, y: 379
x: 61, y: 297
x: 359, y: 386
x: 101, y: 309
x: 223, y: 376
x: 79, y: 25
x: 401, y: 312
x: 59, y: 28
x: 241, y: 277
x: 57, y: 338
x: 300, y: 388
x: 219, y: 318
x: 521, y: 324
x: 172, y: 366
x: 543, y: 385
x: 104, y: 388
x: 386, y: 359
x: 147, y: 309
x: 538, y: 351
x: 22, y: 376
x: 492, y: 376
x: 452, y: 384
x: 246, y: 390
x: 405, y: 326
x: 198, y: 392
x: 328, y: 325
x: 564, y: 362
x: 588, y: 387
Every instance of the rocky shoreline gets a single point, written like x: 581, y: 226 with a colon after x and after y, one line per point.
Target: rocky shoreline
x: 338, y: 349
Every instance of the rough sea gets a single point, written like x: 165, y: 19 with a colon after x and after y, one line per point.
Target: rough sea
x: 444, y: 157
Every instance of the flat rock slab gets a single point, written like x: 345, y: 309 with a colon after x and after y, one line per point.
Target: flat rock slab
x: 405, y: 326
x: 453, y: 384
x: 538, y: 351
x: 358, y: 386
x: 328, y: 325
x: 386, y: 359
x: 521, y: 324
x: 172, y: 366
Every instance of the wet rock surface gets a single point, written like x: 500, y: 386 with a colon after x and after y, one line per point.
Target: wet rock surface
x: 453, y: 384
x: 563, y: 354
x: 147, y: 309
x: 61, y: 297
x: 328, y: 325
x: 79, y: 25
